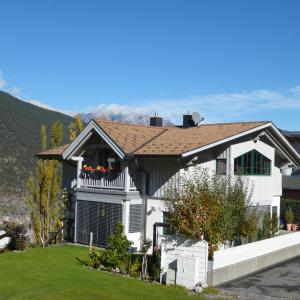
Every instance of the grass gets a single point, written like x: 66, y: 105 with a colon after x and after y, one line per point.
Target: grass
x: 54, y: 273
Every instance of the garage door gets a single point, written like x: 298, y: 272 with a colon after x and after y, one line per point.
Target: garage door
x: 99, y: 218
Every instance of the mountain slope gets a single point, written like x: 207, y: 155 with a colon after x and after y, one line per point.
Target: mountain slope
x: 20, y: 124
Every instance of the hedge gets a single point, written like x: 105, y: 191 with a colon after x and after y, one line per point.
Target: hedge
x: 295, y: 206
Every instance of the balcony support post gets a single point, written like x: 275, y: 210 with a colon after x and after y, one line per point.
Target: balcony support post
x: 79, y: 160
x: 127, y: 179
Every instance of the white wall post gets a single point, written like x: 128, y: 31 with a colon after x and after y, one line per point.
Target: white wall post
x: 79, y: 160
x: 127, y: 179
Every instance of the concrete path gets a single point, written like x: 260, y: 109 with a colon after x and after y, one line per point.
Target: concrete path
x: 279, y: 282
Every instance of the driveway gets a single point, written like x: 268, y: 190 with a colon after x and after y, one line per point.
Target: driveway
x: 279, y: 282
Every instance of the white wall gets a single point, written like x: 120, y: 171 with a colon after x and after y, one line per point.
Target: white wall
x: 230, y: 256
x: 188, y: 257
x: 264, y: 187
x: 155, y: 209
x: 134, y: 237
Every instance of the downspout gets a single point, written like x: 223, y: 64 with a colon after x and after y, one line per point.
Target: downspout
x: 144, y: 197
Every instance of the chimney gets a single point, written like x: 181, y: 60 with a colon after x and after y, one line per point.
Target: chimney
x: 156, y: 121
x: 188, y: 120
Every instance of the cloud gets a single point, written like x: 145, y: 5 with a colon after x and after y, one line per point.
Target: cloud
x: 215, y: 107
x: 123, y: 113
x: 2, y: 81
x: 40, y: 104
x: 15, y: 91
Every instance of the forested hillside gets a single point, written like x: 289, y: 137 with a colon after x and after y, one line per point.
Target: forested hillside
x: 20, y: 124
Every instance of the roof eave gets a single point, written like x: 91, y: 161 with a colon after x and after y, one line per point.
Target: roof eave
x: 228, y: 139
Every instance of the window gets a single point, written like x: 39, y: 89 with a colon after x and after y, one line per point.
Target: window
x: 274, y: 210
x: 252, y: 163
x: 135, y: 218
x: 221, y: 166
x: 166, y: 230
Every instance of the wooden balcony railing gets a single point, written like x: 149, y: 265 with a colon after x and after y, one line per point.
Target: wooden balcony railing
x: 120, y: 181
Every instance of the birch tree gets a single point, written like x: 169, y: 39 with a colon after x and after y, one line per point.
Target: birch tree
x: 44, y: 197
x: 75, y: 127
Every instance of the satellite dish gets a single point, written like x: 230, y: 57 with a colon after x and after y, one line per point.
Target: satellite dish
x: 196, y: 117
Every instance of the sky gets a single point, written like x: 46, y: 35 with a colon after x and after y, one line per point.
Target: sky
x: 229, y: 60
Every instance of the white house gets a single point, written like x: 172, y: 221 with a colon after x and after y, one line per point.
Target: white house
x: 137, y: 163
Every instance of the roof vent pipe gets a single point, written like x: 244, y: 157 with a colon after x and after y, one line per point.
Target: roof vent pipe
x: 156, y: 121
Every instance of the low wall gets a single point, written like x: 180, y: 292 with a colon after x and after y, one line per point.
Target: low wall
x: 236, y: 262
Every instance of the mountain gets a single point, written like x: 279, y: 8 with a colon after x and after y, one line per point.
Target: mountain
x: 20, y: 124
x: 126, y: 117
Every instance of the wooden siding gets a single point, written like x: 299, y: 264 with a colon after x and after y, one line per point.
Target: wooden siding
x: 163, y: 175
x: 69, y: 178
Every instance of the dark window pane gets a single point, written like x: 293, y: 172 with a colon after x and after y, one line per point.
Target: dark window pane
x: 238, y: 165
x: 135, y: 218
x: 221, y: 166
x: 166, y: 230
x: 247, y: 163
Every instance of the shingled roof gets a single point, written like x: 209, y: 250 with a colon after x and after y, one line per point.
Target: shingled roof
x: 141, y: 140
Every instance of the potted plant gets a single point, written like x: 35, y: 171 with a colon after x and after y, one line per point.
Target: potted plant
x: 295, y: 227
x: 289, y: 218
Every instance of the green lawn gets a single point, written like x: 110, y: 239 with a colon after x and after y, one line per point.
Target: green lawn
x: 54, y: 273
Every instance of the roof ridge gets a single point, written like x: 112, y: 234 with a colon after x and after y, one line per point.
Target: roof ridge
x: 232, y: 123
x: 131, y: 124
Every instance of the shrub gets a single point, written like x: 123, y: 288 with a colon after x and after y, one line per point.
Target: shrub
x: 274, y: 224
x: 154, y: 269
x: 135, y: 265
x: 96, y: 259
x: 289, y: 216
x: 116, y: 255
x: 266, y: 225
x: 17, y: 234
x: 294, y: 204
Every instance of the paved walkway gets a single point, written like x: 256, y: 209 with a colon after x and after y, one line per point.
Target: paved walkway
x: 280, y: 282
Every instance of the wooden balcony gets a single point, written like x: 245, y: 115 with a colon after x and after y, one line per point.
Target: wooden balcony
x: 121, y: 181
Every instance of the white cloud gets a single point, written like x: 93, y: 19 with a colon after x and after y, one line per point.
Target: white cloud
x: 214, y: 107
x: 40, y: 104
x: 2, y: 81
x: 15, y: 91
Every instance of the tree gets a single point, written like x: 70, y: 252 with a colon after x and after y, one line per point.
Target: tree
x: 75, y: 127
x: 212, y: 208
x: 44, y: 197
x: 117, y: 250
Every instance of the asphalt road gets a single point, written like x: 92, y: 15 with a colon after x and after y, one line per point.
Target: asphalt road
x: 279, y: 282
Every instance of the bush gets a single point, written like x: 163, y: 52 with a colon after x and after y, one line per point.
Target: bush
x: 274, y: 224
x: 154, y: 265
x: 294, y: 204
x: 266, y: 226
x: 96, y: 259
x: 135, y: 265
x: 116, y: 255
x: 17, y: 234
x: 289, y: 216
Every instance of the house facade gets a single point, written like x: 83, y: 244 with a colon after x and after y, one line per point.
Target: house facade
x: 119, y: 172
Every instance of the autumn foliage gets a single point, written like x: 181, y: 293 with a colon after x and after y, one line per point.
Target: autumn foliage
x: 211, y: 207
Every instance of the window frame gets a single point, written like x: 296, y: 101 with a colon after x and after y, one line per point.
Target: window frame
x: 221, y: 159
x: 251, y: 166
